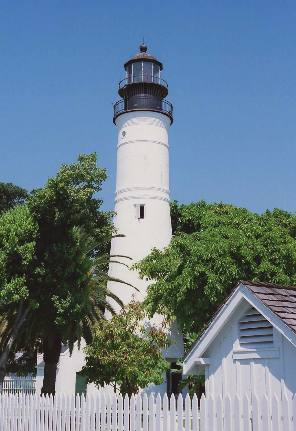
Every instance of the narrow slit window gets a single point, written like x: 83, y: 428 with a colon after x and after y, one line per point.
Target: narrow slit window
x: 142, y: 211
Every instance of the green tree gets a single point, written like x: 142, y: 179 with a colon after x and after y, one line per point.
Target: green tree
x: 214, y: 246
x: 58, y: 282
x: 11, y: 195
x: 126, y: 352
x: 18, y: 235
x: 73, y: 230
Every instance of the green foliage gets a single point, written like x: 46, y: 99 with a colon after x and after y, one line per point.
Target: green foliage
x: 18, y: 235
x: 195, y: 384
x: 23, y: 363
x: 11, y: 195
x: 126, y: 352
x: 214, y: 246
x: 49, y: 248
x: 73, y: 231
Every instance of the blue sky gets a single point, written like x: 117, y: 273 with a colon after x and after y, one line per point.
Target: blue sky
x: 230, y: 66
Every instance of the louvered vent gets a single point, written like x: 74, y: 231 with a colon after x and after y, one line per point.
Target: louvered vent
x: 255, y: 329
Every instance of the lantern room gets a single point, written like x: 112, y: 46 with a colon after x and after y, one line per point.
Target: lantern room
x: 143, y: 67
x: 143, y: 89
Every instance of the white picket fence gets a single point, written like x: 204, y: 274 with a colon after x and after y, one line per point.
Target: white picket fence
x: 18, y: 385
x: 142, y: 413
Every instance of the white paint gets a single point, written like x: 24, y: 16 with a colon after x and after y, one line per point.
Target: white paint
x: 68, y: 366
x: 142, y: 413
x: 232, y: 369
x: 142, y: 179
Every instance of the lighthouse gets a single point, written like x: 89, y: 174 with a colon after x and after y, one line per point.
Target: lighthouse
x: 143, y: 118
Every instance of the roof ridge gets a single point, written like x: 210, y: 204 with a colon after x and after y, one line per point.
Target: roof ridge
x: 265, y: 284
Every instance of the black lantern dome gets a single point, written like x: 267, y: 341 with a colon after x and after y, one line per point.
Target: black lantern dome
x: 143, y: 89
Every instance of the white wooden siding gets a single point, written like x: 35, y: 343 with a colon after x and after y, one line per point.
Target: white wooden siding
x: 236, y: 369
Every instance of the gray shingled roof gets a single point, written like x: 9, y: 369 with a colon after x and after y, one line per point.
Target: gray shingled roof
x: 280, y: 299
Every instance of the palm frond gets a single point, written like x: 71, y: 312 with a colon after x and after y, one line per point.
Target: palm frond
x: 118, y: 280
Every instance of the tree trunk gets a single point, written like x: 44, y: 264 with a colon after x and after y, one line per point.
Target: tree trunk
x: 127, y: 388
x: 10, y: 340
x: 52, y: 346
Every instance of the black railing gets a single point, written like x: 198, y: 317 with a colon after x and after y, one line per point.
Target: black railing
x: 144, y: 77
x: 143, y: 103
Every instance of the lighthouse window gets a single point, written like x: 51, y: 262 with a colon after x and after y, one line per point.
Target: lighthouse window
x: 129, y: 73
x: 137, y: 71
x: 147, y: 71
x: 140, y: 211
x: 156, y: 72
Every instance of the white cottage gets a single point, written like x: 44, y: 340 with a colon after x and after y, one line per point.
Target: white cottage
x: 250, y: 345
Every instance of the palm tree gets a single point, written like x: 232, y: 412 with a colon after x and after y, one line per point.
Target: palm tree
x: 27, y: 329
x: 96, y: 301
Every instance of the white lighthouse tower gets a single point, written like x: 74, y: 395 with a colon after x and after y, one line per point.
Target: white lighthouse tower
x: 143, y: 118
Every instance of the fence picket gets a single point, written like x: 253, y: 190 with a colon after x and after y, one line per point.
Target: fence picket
x: 32, y: 413
x: 77, y: 412
x: 86, y: 413
x: 265, y: 413
x: 165, y: 412
x: 286, y: 423
x: 187, y: 413
x: 126, y: 413
x: 255, y: 414
x: 50, y: 413
x: 246, y: 414
x: 275, y: 419
x: 219, y: 414
x: 210, y: 413
x: 63, y: 412
x: 72, y: 413
x: 8, y: 410
x: 108, y: 412
x: 158, y: 419
x: 145, y: 412
x: 83, y: 413
x: 68, y: 413
x: 172, y: 426
x: 228, y: 411
x: 114, y: 413
x: 180, y: 412
x: 236, y: 415
x: 102, y: 415
x: 139, y: 412
x: 195, y: 414
x: 151, y: 405
x: 132, y: 414
x: 37, y: 414
x: 59, y: 413
x: 202, y: 412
